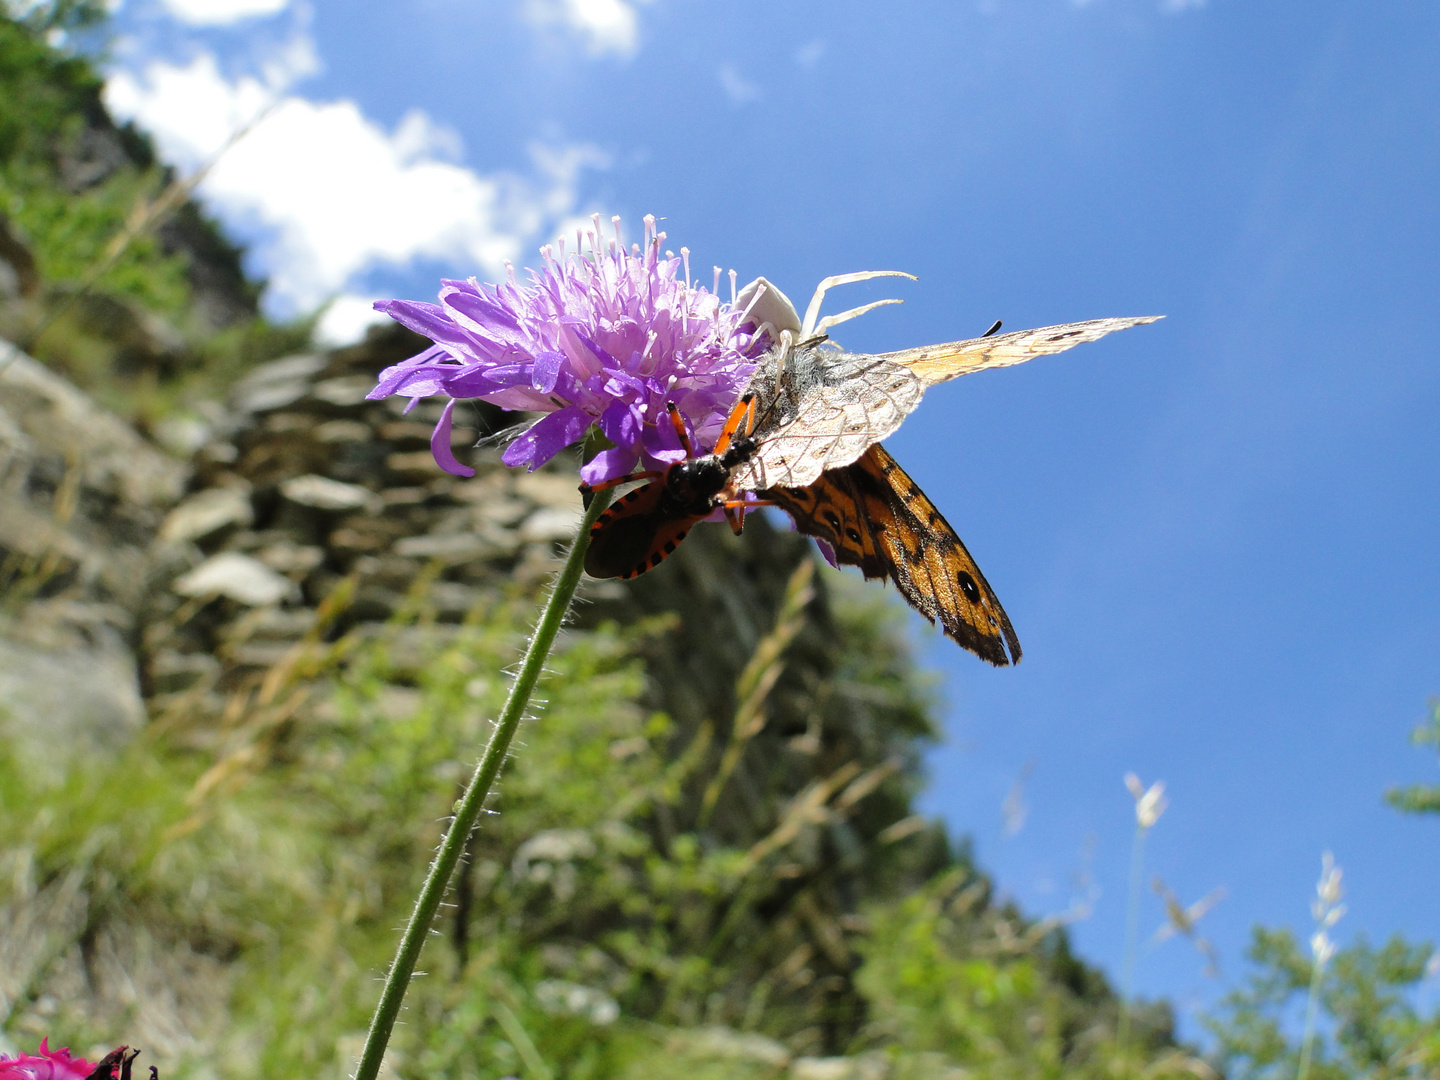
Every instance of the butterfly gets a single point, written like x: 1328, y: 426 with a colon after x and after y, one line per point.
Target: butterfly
x: 806, y: 437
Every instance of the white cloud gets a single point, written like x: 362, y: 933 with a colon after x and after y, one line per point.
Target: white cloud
x: 739, y: 89
x: 222, y: 12
x: 331, y: 192
x: 345, y: 320
x: 606, y: 26
x: 809, y: 54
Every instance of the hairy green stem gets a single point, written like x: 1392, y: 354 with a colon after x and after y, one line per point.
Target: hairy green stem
x: 467, y: 809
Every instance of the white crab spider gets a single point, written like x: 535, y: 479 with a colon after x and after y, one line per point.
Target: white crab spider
x: 772, y: 310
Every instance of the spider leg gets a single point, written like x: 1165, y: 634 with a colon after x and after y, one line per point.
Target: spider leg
x: 845, y: 316
x: 679, y: 422
x: 812, y: 313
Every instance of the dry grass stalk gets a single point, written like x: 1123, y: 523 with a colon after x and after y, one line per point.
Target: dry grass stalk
x: 757, y: 680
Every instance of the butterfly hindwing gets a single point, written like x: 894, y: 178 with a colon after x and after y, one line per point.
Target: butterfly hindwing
x: 875, y: 517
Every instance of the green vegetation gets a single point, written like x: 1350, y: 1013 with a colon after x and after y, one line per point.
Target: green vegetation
x: 597, y: 931
x: 1365, y: 996
x: 119, y: 280
x: 1420, y: 798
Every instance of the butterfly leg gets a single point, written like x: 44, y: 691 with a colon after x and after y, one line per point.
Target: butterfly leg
x: 812, y: 313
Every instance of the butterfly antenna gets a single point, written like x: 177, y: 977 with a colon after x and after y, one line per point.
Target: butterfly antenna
x: 679, y: 423
x: 992, y: 329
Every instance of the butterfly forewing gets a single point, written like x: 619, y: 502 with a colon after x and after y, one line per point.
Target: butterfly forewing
x: 875, y: 517
x: 938, y: 363
x: 821, y: 409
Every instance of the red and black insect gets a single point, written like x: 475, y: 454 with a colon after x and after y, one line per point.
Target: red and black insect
x: 646, y: 525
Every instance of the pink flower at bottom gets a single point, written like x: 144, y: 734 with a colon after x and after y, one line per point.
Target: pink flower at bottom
x: 46, y: 1065
x: 49, y: 1064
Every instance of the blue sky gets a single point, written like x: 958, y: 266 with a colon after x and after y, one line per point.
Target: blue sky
x: 1216, y: 535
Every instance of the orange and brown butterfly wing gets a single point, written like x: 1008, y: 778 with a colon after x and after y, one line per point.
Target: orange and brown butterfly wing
x: 875, y: 517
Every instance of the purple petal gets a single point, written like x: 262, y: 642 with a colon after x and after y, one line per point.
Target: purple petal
x: 462, y: 297
x: 545, y: 372
x: 440, y: 444
x: 520, y: 399
x: 583, y: 360
x: 609, y: 464
x: 661, y: 443
x: 623, y: 425
x: 423, y: 380
x: 827, y: 551
x: 427, y: 319
x: 547, y: 437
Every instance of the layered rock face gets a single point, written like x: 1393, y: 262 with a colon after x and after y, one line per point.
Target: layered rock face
x: 81, y: 497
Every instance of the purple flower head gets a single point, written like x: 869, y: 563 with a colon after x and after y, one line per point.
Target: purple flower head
x: 601, y: 337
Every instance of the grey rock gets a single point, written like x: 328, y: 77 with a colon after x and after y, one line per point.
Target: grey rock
x: 289, y: 557
x: 301, y: 366
x: 345, y: 391
x: 548, y: 489
x: 552, y: 523
x: 325, y: 494
x: 58, y: 704
x: 270, y: 396
x: 59, y: 420
x: 239, y: 577
x: 206, y: 513
x: 172, y: 671
x: 447, y: 547
x: 277, y: 384
x: 343, y: 431
x: 726, y: 1044
x: 81, y: 494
